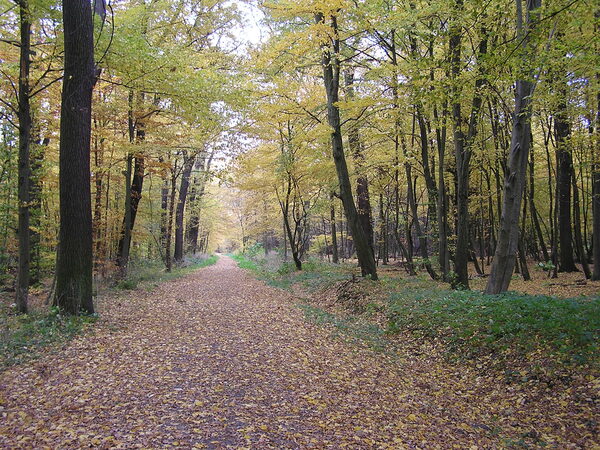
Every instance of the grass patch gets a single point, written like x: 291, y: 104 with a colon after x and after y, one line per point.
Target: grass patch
x: 473, y: 323
x: 284, y: 275
x: 153, y: 272
x: 23, y: 336
x: 349, y: 327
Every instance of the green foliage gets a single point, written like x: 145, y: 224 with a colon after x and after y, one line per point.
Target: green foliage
x: 23, y: 336
x: 474, y: 323
x: 245, y: 263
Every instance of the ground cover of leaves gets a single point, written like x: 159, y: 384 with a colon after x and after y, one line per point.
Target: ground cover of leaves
x: 220, y: 360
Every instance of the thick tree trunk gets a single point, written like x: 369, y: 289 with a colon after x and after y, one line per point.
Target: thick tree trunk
x: 514, y: 181
x: 331, y: 73
x: 183, y: 191
x: 24, y: 171
x: 74, y: 263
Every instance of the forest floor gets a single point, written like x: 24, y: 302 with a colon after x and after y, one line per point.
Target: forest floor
x: 218, y: 359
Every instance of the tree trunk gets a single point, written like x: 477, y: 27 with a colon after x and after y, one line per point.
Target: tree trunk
x: 564, y: 174
x: 331, y: 73
x: 133, y: 188
x: 24, y: 171
x: 74, y: 262
x: 463, y: 150
x: 183, y: 191
x: 36, y: 158
x: 577, y: 231
x: 363, y: 201
x: 514, y: 181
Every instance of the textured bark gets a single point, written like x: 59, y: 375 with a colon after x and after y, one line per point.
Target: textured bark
x: 331, y: 74
x: 514, y: 181
x: 24, y: 171
x: 74, y: 263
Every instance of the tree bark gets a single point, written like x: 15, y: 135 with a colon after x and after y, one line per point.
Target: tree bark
x: 24, y: 171
x: 514, y: 181
x: 331, y: 73
x: 133, y: 187
x: 74, y: 263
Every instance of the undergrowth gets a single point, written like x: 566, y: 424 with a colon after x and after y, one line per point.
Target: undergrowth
x: 472, y: 323
x: 468, y: 323
x: 23, y: 336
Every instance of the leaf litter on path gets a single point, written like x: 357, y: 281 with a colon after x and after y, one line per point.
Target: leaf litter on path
x: 220, y: 360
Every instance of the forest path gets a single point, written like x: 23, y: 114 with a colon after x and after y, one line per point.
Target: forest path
x: 220, y: 360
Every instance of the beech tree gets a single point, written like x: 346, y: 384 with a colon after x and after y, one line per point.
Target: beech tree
x: 508, y: 234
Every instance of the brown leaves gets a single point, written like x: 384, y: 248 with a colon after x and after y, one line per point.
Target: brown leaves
x: 237, y: 366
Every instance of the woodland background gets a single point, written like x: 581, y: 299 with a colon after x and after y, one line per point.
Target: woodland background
x: 204, y: 139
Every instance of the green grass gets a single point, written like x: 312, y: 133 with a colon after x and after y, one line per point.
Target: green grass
x: 472, y: 323
x: 283, y: 275
x: 150, y: 273
x: 348, y: 327
x: 22, y: 337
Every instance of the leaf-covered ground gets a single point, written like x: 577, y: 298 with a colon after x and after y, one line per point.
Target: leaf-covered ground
x: 220, y: 360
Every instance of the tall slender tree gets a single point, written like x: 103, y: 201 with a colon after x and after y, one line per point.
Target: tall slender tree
x: 331, y: 73
x: 514, y: 181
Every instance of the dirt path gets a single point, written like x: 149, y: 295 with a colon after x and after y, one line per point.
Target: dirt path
x: 220, y: 360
